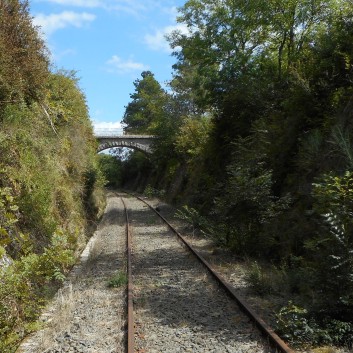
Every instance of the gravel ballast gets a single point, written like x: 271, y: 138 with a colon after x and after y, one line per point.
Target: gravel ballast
x: 178, y: 306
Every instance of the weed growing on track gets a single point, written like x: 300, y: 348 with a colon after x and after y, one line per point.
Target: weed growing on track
x: 118, y: 280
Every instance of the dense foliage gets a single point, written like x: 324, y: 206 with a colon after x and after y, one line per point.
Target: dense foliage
x: 256, y: 133
x: 111, y: 168
x: 49, y: 176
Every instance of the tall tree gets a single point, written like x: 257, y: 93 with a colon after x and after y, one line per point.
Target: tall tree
x: 146, y: 107
x: 23, y: 56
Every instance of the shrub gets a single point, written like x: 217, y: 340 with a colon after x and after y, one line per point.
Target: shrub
x: 331, y: 247
x: 192, y: 216
x: 152, y: 192
x: 293, y: 325
x: 8, y: 216
x: 246, y: 206
x: 339, y: 333
x: 259, y: 280
x: 296, y: 325
x: 267, y: 280
x: 111, y: 169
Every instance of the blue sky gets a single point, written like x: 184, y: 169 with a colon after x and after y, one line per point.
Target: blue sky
x: 109, y: 43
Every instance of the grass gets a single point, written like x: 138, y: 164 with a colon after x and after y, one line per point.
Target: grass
x: 118, y: 280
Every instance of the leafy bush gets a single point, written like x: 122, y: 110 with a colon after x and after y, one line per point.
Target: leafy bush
x: 23, y: 291
x: 111, y: 169
x: 152, y: 192
x: 193, y: 217
x: 259, y: 280
x: 293, y: 325
x: 268, y: 279
x: 8, y: 216
x: 247, y: 204
x: 331, y: 248
x: 339, y: 333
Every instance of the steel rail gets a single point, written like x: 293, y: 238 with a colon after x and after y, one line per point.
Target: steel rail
x: 275, y: 341
x: 130, y: 308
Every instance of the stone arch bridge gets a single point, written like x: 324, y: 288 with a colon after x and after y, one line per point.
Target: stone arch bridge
x: 115, y: 138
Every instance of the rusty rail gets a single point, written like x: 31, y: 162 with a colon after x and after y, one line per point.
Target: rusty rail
x: 130, y: 308
x: 266, y: 330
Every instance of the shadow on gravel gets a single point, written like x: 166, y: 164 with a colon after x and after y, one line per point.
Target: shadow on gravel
x: 145, y: 218
x: 182, y: 297
x: 179, y: 293
x: 112, y: 217
x: 102, y: 263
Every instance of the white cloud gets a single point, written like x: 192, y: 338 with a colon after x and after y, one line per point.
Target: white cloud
x: 158, y: 41
x: 134, y: 7
x: 104, y: 125
x: 53, y: 22
x: 172, y: 12
x: 120, y: 66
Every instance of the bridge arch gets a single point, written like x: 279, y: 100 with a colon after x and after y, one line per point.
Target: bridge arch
x: 113, y: 139
x: 113, y: 144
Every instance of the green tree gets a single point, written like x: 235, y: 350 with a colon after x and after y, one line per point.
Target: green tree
x: 193, y: 136
x: 23, y: 55
x: 274, y: 79
x: 147, y: 105
x: 111, y: 168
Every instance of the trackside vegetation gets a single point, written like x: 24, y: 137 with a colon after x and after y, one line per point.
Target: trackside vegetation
x: 255, y: 140
x: 50, y: 183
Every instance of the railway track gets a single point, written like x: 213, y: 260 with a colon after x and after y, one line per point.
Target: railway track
x: 175, y: 303
x: 130, y: 306
x: 178, y: 305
